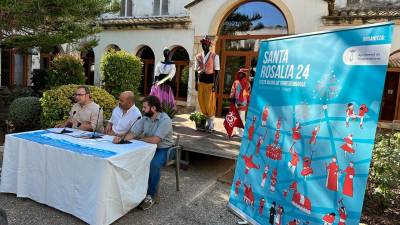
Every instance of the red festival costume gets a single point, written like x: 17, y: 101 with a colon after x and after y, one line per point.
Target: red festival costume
x: 348, y: 180
x: 300, y: 201
x: 249, y: 163
x: 332, y: 177
x: 248, y: 195
x: 348, y: 146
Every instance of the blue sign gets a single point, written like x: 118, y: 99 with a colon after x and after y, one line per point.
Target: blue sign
x: 310, y: 127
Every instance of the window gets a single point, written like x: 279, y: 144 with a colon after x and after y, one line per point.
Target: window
x: 126, y: 8
x: 160, y: 7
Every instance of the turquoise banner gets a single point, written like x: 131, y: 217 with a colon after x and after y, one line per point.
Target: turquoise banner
x: 310, y: 127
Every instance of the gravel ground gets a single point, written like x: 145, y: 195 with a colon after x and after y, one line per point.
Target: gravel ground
x: 202, y: 200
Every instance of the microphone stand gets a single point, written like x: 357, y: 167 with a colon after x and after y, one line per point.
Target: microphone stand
x: 97, y: 124
x: 123, y: 141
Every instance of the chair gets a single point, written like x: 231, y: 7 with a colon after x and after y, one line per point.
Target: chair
x: 175, y: 149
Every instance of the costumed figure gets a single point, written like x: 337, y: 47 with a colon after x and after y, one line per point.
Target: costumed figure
x: 342, y: 213
x: 350, y: 113
x: 164, y: 72
x: 329, y: 219
x: 299, y: 200
x: 294, y: 222
x: 274, y: 179
x: 237, y: 185
x: 272, y: 212
x: 249, y: 164
x: 296, y: 132
x: 294, y: 160
x: 278, y: 124
x: 251, y: 129
x: 313, y: 139
x: 348, y: 146
x: 332, y: 175
x: 279, y: 216
x: 240, y: 96
x: 264, y: 176
x: 259, y: 143
x: 248, y: 195
x: 262, y: 203
x: 361, y: 114
x: 206, y: 73
x: 348, y: 180
x: 264, y: 116
x: 307, y: 170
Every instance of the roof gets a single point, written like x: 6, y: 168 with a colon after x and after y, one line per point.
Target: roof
x: 193, y: 3
x: 349, y: 14
x: 145, y: 21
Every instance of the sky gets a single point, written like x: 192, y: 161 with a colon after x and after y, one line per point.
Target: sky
x: 271, y: 15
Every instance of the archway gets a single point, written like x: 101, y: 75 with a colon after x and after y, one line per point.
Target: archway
x: 240, y: 33
x: 88, y: 65
x: 146, y: 54
x: 113, y: 46
x: 390, y: 106
x: 180, y: 56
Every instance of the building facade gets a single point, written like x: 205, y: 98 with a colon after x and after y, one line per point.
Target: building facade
x: 236, y: 27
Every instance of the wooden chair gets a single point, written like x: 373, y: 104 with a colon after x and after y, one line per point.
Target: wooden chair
x: 175, y: 149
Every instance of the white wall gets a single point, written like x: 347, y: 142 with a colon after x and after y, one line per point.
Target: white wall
x: 145, y: 7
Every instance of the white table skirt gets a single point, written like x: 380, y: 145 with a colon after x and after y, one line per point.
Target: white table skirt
x: 97, y: 188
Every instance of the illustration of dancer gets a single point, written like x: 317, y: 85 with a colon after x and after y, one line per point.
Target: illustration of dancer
x: 292, y: 164
x: 332, y: 175
x: 264, y: 176
x: 264, y: 116
x: 296, y: 132
x: 361, y: 113
x: 350, y: 113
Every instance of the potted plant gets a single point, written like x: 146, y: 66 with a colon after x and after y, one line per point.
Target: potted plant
x: 199, y: 119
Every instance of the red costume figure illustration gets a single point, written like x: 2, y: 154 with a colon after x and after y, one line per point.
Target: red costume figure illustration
x: 279, y: 215
x: 350, y: 113
x: 274, y: 180
x: 296, y: 132
x: 274, y: 152
x: 348, y: 146
x: 348, y: 180
x: 264, y: 116
x: 300, y: 201
x: 248, y: 195
x: 277, y: 134
x: 329, y: 219
x: 307, y: 170
x: 285, y: 193
x: 294, y: 222
x: 262, y: 203
x: 264, y: 176
x: 237, y: 185
x: 332, y: 177
x: 278, y: 124
x: 313, y: 139
x: 251, y: 129
x: 294, y: 160
x: 259, y: 143
x: 361, y: 114
x: 342, y: 213
x: 249, y: 163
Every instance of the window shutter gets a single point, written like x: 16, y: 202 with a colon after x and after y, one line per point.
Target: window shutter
x: 122, y: 10
x: 129, y: 8
x: 156, y: 7
x: 164, y: 9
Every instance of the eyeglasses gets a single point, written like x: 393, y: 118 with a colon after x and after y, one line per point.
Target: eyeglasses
x: 80, y: 94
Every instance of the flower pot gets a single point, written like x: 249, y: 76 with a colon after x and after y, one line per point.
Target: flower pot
x: 201, y: 125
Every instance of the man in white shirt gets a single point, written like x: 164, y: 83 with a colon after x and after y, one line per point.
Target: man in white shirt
x: 124, y: 115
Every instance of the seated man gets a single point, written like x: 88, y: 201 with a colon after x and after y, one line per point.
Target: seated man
x: 124, y: 115
x: 156, y: 127
x: 85, y: 114
x: 3, y: 217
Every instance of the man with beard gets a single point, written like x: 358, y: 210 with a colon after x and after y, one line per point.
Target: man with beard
x: 156, y: 128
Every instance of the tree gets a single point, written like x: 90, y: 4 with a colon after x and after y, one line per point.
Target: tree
x: 237, y: 21
x: 48, y: 23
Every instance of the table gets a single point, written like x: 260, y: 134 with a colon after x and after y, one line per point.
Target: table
x: 92, y: 179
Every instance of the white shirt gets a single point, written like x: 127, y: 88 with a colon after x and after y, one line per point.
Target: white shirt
x: 121, y: 123
x: 162, y: 68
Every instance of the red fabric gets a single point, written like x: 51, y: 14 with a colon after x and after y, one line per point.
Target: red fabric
x: 348, y: 181
x: 329, y: 218
x: 232, y: 120
x: 332, y: 178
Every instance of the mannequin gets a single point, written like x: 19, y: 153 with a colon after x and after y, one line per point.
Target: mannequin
x: 206, y: 74
x: 163, y: 74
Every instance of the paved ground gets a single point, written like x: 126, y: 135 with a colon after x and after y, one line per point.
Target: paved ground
x: 202, y: 200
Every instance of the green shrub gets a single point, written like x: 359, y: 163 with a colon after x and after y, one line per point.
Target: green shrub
x: 121, y: 71
x: 66, y: 69
x: 384, y: 178
x: 24, y: 114
x: 197, y: 117
x: 40, y: 80
x: 185, y: 75
x: 56, y: 103
x: 169, y: 110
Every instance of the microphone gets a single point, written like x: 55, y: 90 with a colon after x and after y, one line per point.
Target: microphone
x: 123, y: 141
x: 97, y: 124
